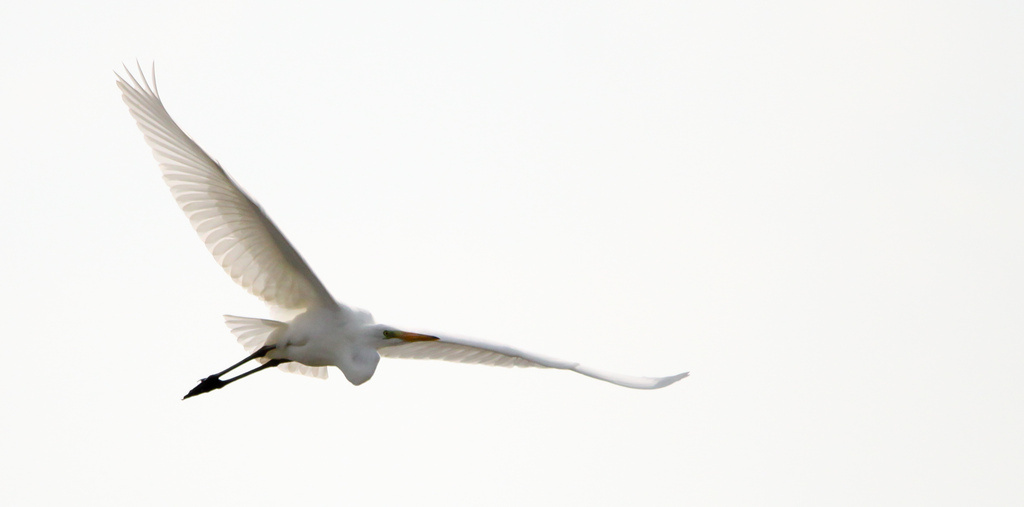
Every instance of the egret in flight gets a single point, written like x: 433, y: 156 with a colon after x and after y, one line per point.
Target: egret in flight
x: 254, y: 252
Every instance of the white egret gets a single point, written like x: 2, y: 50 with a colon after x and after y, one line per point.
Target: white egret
x: 257, y: 256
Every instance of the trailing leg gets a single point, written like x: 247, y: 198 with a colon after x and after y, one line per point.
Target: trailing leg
x: 214, y: 382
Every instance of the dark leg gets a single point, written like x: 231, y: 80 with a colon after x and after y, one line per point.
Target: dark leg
x: 214, y: 382
x: 259, y: 353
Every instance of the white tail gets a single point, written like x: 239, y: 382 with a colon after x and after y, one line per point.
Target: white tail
x: 254, y: 333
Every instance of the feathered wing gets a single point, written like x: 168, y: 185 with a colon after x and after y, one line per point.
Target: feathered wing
x: 461, y: 350
x: 241, y: 238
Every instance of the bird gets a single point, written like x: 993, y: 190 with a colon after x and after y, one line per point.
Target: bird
x: 321, y: 331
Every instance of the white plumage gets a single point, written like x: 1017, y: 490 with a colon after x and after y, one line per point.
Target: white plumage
x: 254, y: 252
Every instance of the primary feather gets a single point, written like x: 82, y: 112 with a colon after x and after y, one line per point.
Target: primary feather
x: 249, y: 247
x: 462, y: 350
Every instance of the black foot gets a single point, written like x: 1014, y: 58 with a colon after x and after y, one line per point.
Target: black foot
x: 206, y: 385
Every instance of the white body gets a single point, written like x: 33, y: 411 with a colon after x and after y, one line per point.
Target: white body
x: 331, y: 337
x: 257, y: 256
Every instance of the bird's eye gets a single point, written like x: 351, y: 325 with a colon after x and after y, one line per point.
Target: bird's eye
x: 389, y: 334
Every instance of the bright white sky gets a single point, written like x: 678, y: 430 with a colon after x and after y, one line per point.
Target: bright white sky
x: 817, y: 210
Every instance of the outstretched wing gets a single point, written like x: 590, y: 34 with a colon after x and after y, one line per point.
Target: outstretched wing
x: 241, y: 238
x: 461, y: 350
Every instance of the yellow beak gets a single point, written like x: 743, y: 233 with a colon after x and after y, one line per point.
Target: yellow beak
x: 409, y: 337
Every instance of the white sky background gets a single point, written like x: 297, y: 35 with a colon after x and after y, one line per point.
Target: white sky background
x: 817, y: 210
